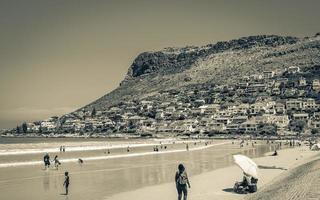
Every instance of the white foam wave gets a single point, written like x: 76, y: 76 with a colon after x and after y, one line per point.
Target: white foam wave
x: 69, y: 160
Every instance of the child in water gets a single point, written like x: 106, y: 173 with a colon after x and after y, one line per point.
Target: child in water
x: 66, y: 182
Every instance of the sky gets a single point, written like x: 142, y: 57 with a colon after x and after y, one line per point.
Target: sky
x: 58, y: 55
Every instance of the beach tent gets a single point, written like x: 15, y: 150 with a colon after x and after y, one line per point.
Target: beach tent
x: 315, y: 147
x: 247, y: 165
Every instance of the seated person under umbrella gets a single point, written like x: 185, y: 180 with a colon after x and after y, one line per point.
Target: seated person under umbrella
x: 249, y: 168
x: 248, y: 184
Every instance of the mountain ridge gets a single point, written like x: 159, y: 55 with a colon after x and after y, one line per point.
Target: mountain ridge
x: 158, y: 67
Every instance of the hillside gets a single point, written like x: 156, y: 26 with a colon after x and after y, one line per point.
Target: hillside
x: 263, y: 84
x: 220, y: 63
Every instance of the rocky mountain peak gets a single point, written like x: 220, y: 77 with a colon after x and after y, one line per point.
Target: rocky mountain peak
x: 173, y: 60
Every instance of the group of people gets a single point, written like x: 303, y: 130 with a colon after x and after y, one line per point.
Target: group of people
x: 156, y: 148
x: 62, y: 148
x: 47, y: 162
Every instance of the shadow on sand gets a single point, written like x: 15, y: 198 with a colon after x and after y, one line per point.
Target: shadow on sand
x: 271, y: 167
x: 230, y: 190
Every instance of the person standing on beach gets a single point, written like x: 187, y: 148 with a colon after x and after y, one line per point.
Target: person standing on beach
x: 182, y: 181
x: 56, y: 162
x: 46, y: 160
x: 187, y: 147
x: 66, y: 182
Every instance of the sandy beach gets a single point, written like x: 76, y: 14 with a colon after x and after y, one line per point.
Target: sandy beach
x: 144, y: 174
x: 274, y: 171
x: 107, y: 176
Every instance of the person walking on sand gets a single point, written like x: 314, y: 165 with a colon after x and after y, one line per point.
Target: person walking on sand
x: 187, y: 147
x: 46, y: 160
x: 66, y: 182
x: 182, y: 181
x: 56, y: 162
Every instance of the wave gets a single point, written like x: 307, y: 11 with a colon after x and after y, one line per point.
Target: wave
x: 69, y: 160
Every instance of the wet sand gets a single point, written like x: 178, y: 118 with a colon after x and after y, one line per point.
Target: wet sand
x: 114, y: 177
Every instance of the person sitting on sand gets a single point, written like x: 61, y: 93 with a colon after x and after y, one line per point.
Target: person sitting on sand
x: 46, y: 160
x: 248, y: 184
x: 66, y: 182
x: 182, y: 181
x: 275, y: 153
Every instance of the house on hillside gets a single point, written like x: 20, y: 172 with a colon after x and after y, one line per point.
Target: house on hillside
x: 302, y: 82
x: 316, y: 85
x: 223, y: 120
x: 309, y: 104
x: 239, y: 119
x: 294, y: 104
x: 249, y: 126
x: 293, y: 69
x: 300, y: 116
x: 209, y: 109
x: 256, y: 88
x: 280, y: 108
x: 268, y: 74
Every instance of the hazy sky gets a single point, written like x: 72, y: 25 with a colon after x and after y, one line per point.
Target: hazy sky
x: 58, y: 55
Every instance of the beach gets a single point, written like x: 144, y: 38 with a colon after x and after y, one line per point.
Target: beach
x: 274, y: 171
x: 143, y: 173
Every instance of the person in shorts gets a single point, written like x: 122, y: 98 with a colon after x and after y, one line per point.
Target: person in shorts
x: 182, y: 181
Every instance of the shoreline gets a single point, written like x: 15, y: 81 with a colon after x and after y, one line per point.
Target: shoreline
x: 93, y: 158
x: 98, y: 179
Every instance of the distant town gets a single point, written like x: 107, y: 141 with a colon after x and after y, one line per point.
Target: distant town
x: 284, y: 102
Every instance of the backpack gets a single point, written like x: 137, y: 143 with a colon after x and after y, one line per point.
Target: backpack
x: 182, y: 178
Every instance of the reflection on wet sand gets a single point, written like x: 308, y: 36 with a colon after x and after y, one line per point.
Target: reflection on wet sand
x: 102, y: 178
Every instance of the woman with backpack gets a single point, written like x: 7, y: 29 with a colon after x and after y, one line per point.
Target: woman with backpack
x: 182, y: 181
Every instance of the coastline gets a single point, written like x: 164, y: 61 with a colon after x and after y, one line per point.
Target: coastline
x: 106, y: 157
x: 98, y: 179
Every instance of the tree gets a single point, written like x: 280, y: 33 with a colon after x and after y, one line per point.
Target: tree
x: 298, y: 125
x: 18, y: 130
x: 24, y: 127
x: 267, y: 129
x: 314, y: 131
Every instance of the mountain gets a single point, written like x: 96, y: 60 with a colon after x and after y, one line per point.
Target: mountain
x: 220, y: 63
x: 243, y: 81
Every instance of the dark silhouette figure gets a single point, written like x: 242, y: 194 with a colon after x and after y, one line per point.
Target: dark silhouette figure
x: 46, y: 160
x: 275, y: 153
x: 182, y: 181
x: 80, y: 161
x: 66, y: 182
x: 56, y: 162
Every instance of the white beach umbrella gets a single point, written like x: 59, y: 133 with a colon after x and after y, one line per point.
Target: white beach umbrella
x: 315, y: 147
x: 247, y: 165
